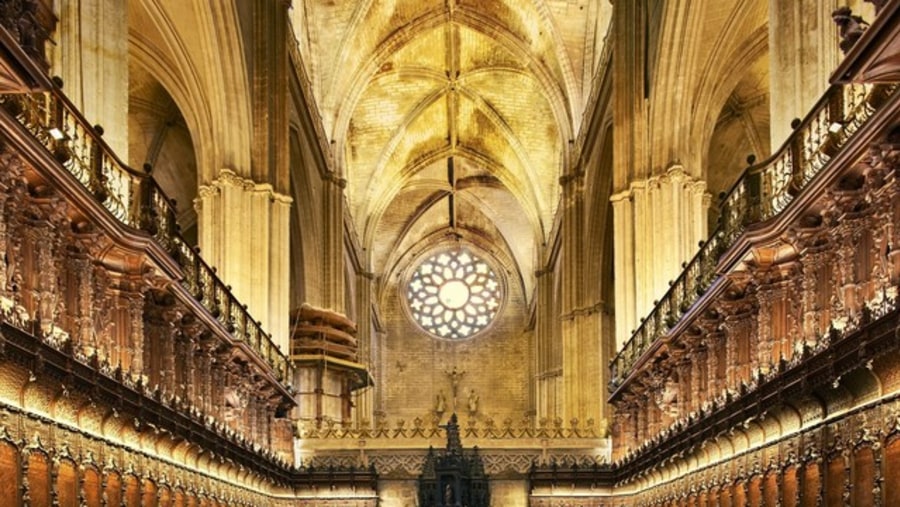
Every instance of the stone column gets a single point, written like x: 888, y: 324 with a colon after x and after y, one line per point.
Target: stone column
x: 91, y: 56
x: 244, y: 232
x: 803, y: 52
x: 547, y: 346
x: 333, y: 251
x: 583, y: 362
x: 365, y: 400
x: 623, y: 255
x: 664, y: 213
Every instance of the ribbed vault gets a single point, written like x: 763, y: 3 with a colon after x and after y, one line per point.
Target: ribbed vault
x: 410, y: 88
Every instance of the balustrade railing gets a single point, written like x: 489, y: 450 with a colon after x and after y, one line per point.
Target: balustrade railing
x: 762, y: 192
x: 136, y: 200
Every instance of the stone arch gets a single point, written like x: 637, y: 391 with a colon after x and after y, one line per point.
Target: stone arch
x: 184, y: 86
x: 212, y: 92
x: 734, y: 113
x: 690, y: 57
x: 523, y: 191
x: 160, y: 135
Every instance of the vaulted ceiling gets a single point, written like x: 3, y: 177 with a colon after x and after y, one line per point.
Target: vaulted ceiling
x: 493, y: 89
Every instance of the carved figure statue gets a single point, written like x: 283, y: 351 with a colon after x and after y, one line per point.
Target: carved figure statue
x: 455, y: 377
x: 851, y: 27
x: 440, y: 405
x: 473, y: 403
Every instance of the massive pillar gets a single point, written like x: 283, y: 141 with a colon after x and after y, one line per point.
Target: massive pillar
x: 583, y: 374
x: 548, y: 354
x: 659, y: 222
x: 365, y: 398
x: 91, y: 56
x: 803, y: 52
x: 244, y: 233
x: 243, y: 213
x: 659, y: 206
x: 333, y: 248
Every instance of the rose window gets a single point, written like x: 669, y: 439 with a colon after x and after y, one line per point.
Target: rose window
x: 454, y: 294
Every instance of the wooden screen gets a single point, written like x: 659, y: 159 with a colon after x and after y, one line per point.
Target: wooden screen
x: 38, y: 478
x: 67, y: 484
x: 9, y: 472
x: 91, y: 491
x: 863, y: 476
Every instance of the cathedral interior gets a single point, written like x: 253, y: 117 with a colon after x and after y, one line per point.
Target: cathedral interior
x: 449, y: 253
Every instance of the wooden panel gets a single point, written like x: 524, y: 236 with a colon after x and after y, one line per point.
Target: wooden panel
x: 725, y: 497
x: 770, y: 490
x: 9, y: 472
x: 811, y: 486
x: 132, y: 491
x: 739, y: 499
x: 892, y: 472
x: 165, y: 497
x: 67, y: 484
x: 38, y: 479
x: 91, y: 491
x: 179, y: 499
x: 754, y: 493
x: 834, y: 483
x: 113, y: 489
x: 789, y: 486
x: 149, y: 494
x: 863, y: 476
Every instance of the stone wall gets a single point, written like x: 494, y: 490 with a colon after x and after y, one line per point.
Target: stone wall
x: 495, y: 365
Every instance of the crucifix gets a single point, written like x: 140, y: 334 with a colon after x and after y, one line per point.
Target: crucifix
x: 455, y: 377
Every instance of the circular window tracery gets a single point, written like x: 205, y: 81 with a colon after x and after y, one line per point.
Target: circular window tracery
x: 454, y: 294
